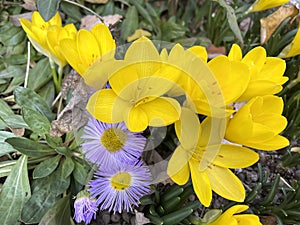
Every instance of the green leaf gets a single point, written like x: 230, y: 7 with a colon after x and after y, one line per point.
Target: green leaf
x: 59, y: 213
x: 231, y: 20
x: 67, y: 167
x: 48, y: 93
x: 4, y: 135
x: 15, y: 192
x: 27, y: 97
x: 46, y: 167
x: 48, y: 8
x: 29, y: 147
x: 6, y: 148
x: 15, y: 82
x: 144, y: 13
x: 36, y: 121
x: 130, y: 23
x: 5, y: 109
x: 39, y: 75
x: 45, y: 192
x: 12, y: 71
x: 80, y: 173
x: 14, y: 121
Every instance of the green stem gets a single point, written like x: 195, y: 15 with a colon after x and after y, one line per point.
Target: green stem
x: 54, y: 76
x: 60, y: 74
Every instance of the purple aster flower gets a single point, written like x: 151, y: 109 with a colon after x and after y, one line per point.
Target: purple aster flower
x: 121, y: 186
x: 108, y: 144
x: 85, y: 208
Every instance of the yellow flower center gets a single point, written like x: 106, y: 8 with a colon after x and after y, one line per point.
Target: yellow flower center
x: 121, y: 181
x: 113, y: 139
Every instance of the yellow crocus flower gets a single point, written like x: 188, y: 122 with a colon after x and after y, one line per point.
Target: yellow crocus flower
x: 37, y: 32
x: 258, y: 123
x: 266, y: 73
x: 87, y: 47
x: 260, y: 5
x: 202, y: 156
x: 293, y: 48
x: 138, y: 87
x: 229, y: 217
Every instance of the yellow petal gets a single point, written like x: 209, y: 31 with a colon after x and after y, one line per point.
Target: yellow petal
x: 225, y: 183
x: 200, y: 51
x: 293, y: 48
x: 161, y: 111
x: 255, y: 58
x: 247, y: 219
x: 274, y: 122
x: 88, y: 48
x: 105, y: 40
x: 266, y: 104
x: 105, y: 105
x: 228, y: 215
x: 55, y: 20
x: 201, y: 184
x: 275, y: 143
x: 178, y: 168
x: 188, y: 128
x: 235, y: 53
x: 260, y: 5
x: 273, y: 70
x: 232, y: 156
x: 137, y: 119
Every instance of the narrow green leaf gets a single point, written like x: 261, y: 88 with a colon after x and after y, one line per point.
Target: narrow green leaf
x: 12, y: 71
x: 14, y: 83
x: 15, y: 192
x: 29, y: 147
x: 48, y: 8
x: 232, y: 20
x: 14, y: 121
x: 40, y: 74
x: 130, y: 23
x: 27, y: 97
x: 36, y: 121
x: 5, y: 109
x: 5, y: 134
x: 46, y: 167
x: 59, y: 214
x: 6, y: 148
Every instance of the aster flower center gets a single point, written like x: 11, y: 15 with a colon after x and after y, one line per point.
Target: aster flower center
x: 121, y: 181
x: 113, y: 139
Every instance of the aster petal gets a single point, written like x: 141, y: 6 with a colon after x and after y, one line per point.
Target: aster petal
x: 88, y: 48
x: 104, y: 39
x: 235, y: 53
x: 105, y: 106
x: 201, y: 184
x: 225, y: 183
x: 200, y: 52
x: 232, y: 156
x: 161, y: 111
x: 247, y: 219
x: 274, y: 143
x: 178, y: 168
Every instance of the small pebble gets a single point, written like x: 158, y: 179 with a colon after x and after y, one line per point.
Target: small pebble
x: 115, y: 217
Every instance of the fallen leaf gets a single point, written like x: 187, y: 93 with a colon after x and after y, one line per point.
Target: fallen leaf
x: 270, y: 23
x: 18, y: 131
x: 97, y: 1
x: 112, y: 20
x: 295, y: 149
x: 89, y: 21
x: 30, y: 5
x: 268, y: 220
x: 137, y: 34
x: 213, y: 51
x: 15, y: 19
x: 140, y: 218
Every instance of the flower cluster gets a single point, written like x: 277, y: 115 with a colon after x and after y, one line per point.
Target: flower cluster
x: 234, y: 93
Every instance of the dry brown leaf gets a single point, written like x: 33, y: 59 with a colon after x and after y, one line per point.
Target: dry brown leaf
x: 97, y: 1
x: 295, y: 149
x: 140, y: 218
x: 88, y: 22
x: 213, y: 51
x: 15, y: 19
x: 18, y: 131
x: 268, y: 220
x: 270, y: 23
x: 30, y: 5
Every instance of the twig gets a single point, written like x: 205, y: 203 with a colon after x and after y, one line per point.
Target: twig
x: 82, y: 6
x: 28, y: 65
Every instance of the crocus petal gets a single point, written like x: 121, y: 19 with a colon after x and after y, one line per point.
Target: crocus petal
x: 105, y: 106
x: 293, y: 48
x: 235, y: 53
x: 201, y: 184
x: 161, y: 111
x: 274, y: 143
x: 88, y: 48
x: 225, y: 183
x: 260, y: 5
x: 247, y: 219
x: 266, y: 104
x: 137, y: 119
x: 255, y: 58
x: 275, y: 122
x: 188, y: 128
x: 228, y: 215
x: 232, y: 156
x: 273, y: 70
x: 178, y: 168
x: 200, y: 51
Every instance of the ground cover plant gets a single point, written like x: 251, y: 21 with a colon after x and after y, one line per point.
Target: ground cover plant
x: 149, y: 112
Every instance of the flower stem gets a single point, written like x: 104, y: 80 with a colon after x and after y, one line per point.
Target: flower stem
x: 54, y: 76
x: 60, y: 74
